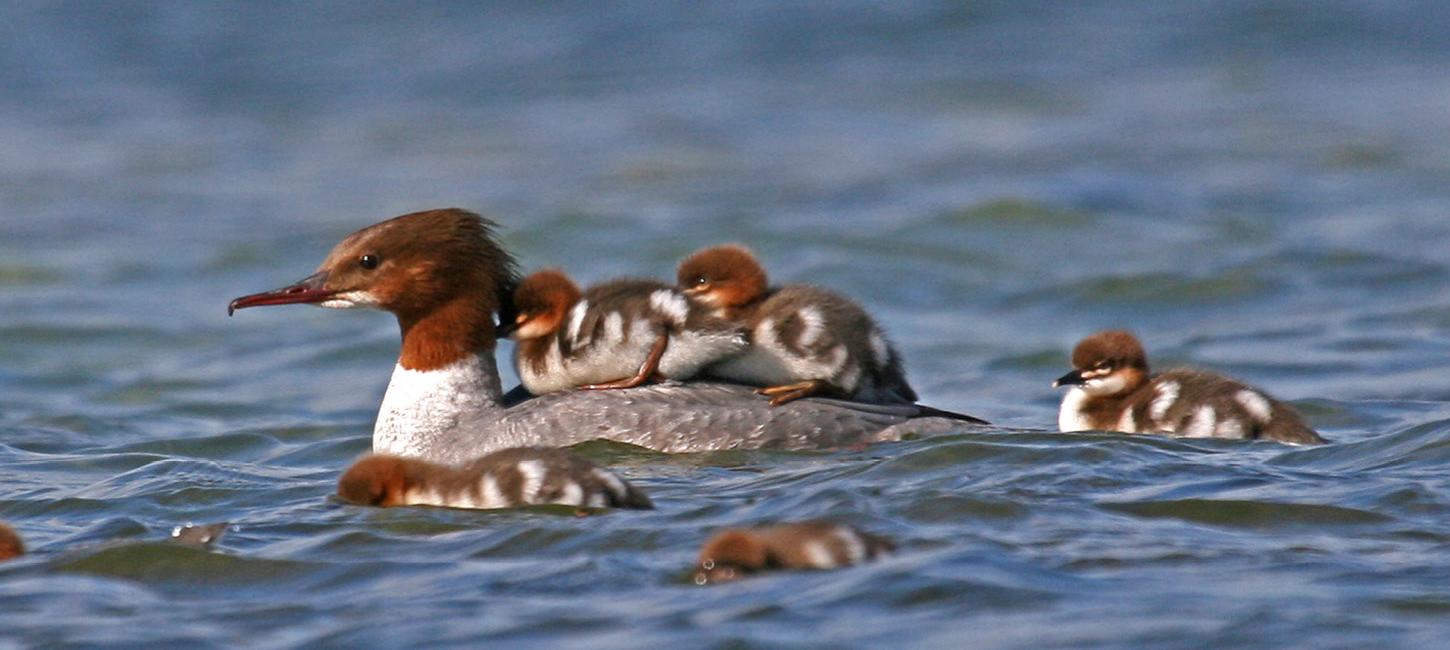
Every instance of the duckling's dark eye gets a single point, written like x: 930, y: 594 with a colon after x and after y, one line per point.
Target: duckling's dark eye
x: 368, y: 261
x: 700, y: 280
x: 1103, y: 365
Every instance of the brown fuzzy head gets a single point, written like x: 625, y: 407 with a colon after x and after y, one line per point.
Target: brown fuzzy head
x: 376, y: 480
x: 10, y: 544
x: 540, y: 302
x: 731, y: 555
x: 1118, y: 348
x: 1107, y: 363
x: 723, y: 277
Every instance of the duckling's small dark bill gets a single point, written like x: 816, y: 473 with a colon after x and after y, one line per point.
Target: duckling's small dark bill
x: 1073, y: 378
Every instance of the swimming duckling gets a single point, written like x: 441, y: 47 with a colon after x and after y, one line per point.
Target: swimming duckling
x: 10, y: 544
x: 510, y: 478
x: 736, y: 552
x: 1110, y: 389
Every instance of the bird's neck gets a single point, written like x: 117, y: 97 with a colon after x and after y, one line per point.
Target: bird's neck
x: 446, y: 378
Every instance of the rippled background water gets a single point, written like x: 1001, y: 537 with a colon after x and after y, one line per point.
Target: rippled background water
x: 1256, y: 187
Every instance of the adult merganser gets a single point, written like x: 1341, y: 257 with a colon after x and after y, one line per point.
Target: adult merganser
x: 619, y: 334
x: 10, y: 544
x: 443, y: 275
x: 804, y: 340
x: 1110, y: 390
x: 733, y: 553
x: 511, y: 478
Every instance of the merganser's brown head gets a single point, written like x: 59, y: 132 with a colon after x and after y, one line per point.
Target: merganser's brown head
x: 540, y: 301
x: 10, y: 544
x: 1107, y: 363
x: 722, y: 277
x: 442, y: 267
x: 378, y: 480
x: 731, y: 555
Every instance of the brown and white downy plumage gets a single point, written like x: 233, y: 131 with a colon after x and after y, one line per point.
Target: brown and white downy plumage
x: 510, y: 478
x: 804, y: 340
x: 618, y: 334
x: 736, y: 552
x: 10, y: 544
x: 1110, y: 389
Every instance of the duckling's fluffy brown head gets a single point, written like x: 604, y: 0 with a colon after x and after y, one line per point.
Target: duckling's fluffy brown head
x: 723, y: 277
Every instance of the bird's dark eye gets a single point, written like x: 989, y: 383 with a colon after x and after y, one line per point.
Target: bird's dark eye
x: 368, y: 261
x: 700, y: 280
x: 1103, y: 365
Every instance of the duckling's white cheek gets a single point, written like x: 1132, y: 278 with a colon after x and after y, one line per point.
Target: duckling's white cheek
x: 1109, y: 385
x: 350, y: 300
x: 711, y: 299
x: 533, y: 329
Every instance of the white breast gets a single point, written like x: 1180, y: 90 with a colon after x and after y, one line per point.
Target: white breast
x: 422, y: 404
x: 1069, y: 415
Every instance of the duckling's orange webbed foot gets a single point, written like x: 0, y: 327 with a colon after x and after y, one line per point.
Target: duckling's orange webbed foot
x: 790, y: 392
x: 627, y: 382
x: 648, y: 371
